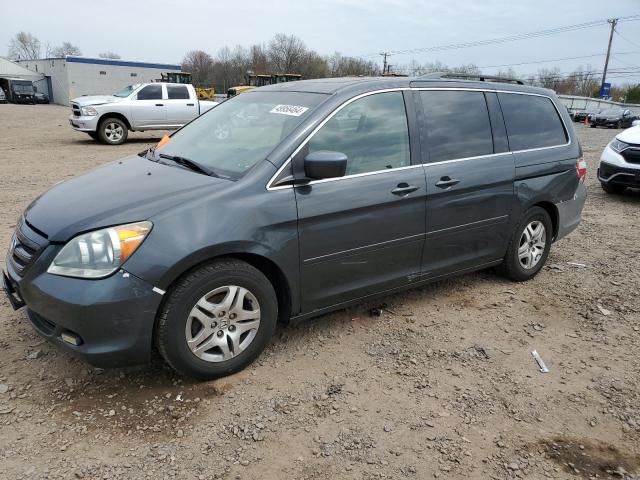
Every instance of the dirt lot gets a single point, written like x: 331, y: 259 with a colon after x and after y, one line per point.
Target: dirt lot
x: 442, y: 385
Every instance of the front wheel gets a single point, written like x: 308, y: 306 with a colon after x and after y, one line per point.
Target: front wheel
x: 529, y: 246
x: 217, y: 319
x: 113, y: 131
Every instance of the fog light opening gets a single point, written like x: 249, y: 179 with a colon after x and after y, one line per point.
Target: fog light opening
x: 71, y: 338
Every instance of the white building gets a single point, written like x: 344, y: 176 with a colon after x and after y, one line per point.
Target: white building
x: 71, y: 77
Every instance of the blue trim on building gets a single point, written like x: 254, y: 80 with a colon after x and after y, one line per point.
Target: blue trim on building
x: 122, y: 63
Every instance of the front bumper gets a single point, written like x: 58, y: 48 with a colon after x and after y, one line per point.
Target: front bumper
x: 111, y: 319
x: 22, y: 99
x: 616, y: 170
x: 84, y: 123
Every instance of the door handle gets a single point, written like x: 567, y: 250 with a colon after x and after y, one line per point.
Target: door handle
x: 190, y: 104
x: 446, y: 182
x: 404, y: 189
x: 159, y: 104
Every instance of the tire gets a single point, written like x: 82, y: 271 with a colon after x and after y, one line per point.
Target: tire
x: 93, y: 135
x: 619, y: 124
x: 180, y: 318
x: 592, y: 125
x: 613, y: 189
x: 512, y: 266
x: 113, y: 131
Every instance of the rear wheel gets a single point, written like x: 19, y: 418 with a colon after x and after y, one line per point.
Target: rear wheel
x: 613, y: 189
x: 113, y: 131
x: 529, y: 246
x: 217, y: 319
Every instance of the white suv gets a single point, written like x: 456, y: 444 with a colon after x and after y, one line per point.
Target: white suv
x: 620, y: 162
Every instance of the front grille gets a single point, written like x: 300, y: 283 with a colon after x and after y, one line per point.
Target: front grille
x: 26, y: 245
x: 631, y: 155
x: 75, y: 108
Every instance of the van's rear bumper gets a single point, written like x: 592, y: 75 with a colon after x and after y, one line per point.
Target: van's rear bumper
x: 570, y: 212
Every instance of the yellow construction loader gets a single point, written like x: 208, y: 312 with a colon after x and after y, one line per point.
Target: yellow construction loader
x: 260, y: 80
x: 204, y: 93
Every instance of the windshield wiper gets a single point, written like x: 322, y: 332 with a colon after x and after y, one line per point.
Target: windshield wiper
x: 190, y: 164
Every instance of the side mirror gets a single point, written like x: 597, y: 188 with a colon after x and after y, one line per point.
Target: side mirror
x: 325, y: 164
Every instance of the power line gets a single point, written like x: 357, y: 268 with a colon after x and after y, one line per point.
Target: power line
x: 510, y: 38
x: 625, y: 38
x: 544, y: 61
x: 555, y: 60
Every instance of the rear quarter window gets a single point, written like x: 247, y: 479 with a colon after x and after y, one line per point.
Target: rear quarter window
x: 177, y: 92
x: 531, y: 121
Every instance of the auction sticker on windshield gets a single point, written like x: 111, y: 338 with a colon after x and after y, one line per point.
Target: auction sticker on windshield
x: 293, y: 110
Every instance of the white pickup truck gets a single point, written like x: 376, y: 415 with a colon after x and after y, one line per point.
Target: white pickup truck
x: 145, y: 106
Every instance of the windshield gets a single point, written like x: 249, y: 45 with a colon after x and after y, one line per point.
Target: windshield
x: 126, y: 91
x: 233, y: 136
x: 22, y: 88
x: 611, y: 111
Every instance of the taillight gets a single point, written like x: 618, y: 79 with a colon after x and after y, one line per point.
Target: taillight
x: 581, y: 168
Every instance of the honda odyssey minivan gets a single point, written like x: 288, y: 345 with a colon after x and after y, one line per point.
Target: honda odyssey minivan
x: 290, y: 201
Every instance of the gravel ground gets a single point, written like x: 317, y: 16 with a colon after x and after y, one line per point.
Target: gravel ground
x: 441, y: 385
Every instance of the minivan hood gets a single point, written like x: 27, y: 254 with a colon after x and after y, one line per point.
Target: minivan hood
x: 630, y: 135
x: 128, y: 190
x: 96, y: 100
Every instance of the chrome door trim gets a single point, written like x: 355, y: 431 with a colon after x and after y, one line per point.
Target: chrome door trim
x: 287, y: 162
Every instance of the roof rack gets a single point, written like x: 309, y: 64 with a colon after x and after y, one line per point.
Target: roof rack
x: 469, y: 76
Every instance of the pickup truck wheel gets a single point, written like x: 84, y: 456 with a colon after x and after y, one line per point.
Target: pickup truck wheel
x: 217, y: 319
x: 529, y: 246
x: 113, y: 131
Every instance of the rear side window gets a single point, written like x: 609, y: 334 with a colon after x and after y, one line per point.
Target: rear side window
x: 371, y: 131
x: 458, y: 124
x: 531, y: 121
x: 150, y: 92
x: 177, y: 92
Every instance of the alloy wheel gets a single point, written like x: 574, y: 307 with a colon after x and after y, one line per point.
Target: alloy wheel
x: 223, y: 323
x: 113, y: 131
x: 532, y: 244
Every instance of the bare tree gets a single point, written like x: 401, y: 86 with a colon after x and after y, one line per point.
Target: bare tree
x: 586, y: 81
x: 259, y: 59
x: 65, y: 49
x: 469, y: 69
x: 111, y: 55
x: 200, y: 65
x: 24, y: 46
x: 549, y: 78
x: 286, y: 53
x: 343, y: 66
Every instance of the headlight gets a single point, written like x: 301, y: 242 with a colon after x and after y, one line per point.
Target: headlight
x: 89, y: 111
x: 100, y: 253
x: 618, y: 146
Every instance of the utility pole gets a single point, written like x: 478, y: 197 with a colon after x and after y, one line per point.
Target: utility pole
x: 613, y: 22
x: 385, y: 66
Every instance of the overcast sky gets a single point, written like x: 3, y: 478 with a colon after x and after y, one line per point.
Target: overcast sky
x: 163, y: 30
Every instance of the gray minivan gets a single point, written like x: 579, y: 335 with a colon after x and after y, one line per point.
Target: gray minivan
x: 291, y: 201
